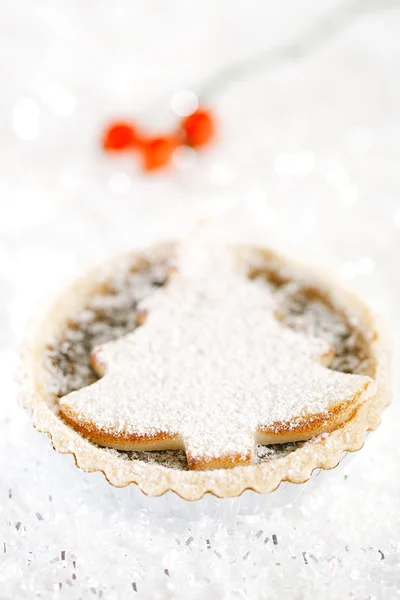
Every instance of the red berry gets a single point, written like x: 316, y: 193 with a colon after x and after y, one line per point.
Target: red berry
x: 157, y: 152
x: 199, y: 128
x: 119, y: 136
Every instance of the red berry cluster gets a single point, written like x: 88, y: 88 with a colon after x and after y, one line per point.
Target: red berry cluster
x: 196, y: 130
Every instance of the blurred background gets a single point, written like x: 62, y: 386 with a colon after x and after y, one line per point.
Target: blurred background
x: 306, y: 99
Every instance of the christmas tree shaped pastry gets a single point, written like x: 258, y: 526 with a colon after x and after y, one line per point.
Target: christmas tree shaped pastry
x: 212, y: 370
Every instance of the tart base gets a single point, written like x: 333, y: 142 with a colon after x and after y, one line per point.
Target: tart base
x: 321, y: 452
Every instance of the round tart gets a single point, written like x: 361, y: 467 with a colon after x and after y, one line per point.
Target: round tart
x: 204, y: 367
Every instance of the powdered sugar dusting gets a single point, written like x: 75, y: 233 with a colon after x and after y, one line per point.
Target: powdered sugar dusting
x: 212, y: 365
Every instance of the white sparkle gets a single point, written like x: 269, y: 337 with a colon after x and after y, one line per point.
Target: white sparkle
x: 184, y: 157
x: 305, y: 163
x: 363, y: 266
x: 336, y: 174
x: 184, y: 103
x: 359, y: 140
x: 119, y: 183
x: 298, y: 164
x: 70, y: 179
x: 349, y: 194
x: 258, y: 208
x: 366, y: 265
x: 222, y: 174
x: 26, y: 114
x: 28, y: 207
x: 256, y: 196
x: 283, y: 164
x: 59, y: 100
x: 215, y: 206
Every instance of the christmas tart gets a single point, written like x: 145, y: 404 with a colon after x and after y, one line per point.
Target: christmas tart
x: 202, y: 366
